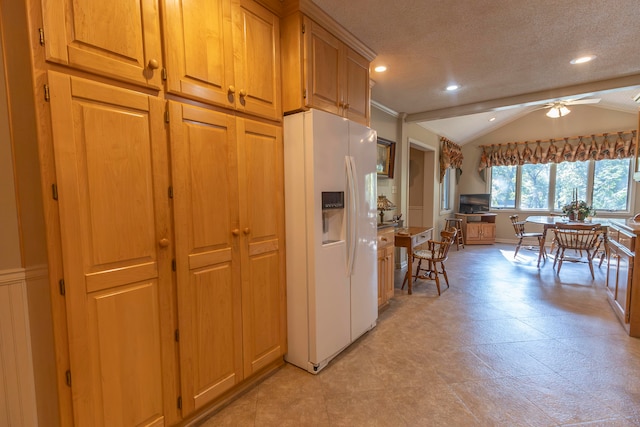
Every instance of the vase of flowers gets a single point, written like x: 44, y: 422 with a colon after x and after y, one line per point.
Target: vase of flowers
x: 578, y: 210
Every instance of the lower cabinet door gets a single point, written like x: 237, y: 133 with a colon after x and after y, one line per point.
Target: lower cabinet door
x: 112, y: 178
x: 204, y: 167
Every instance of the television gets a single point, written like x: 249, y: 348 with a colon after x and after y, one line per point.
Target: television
x: 474, y: 203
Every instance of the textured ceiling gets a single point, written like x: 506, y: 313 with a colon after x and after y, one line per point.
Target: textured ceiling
x: 501, y: 52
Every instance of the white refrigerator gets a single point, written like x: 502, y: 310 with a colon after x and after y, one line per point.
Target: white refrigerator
x: 331, y: 235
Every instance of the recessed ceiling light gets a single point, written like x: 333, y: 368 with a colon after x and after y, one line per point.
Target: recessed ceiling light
x: 453, y: 87
x: 492, y: 119
x: 583, y: 59
x: 380, y: 69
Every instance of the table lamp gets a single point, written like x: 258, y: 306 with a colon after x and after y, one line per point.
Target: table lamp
x: 384, y: 204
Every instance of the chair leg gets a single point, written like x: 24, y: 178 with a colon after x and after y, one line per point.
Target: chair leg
x: 591, y: 268
x: 541, y: 252
x: 417, y: 270
x: 444, y: 273
x: 437, y: 282
x: 518, y: 248
x: 561, y: 256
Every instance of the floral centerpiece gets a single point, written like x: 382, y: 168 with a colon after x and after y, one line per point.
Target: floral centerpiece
x: 578, y: 207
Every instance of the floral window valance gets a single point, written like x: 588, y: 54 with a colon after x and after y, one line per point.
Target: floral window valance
x: 450, y: 156
x: 619, y: 145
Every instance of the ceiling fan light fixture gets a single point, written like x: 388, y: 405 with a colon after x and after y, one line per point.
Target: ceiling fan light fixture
x: 558, y: 111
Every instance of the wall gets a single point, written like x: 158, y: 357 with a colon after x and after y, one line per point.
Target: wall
x: 387, y: 127
x: 583, y: 120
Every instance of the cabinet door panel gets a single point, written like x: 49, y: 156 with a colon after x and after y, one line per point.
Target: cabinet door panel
x: 357, y: 87
x: 204, y: 169
x: 115, y: 38
x: 257, y: 44
x: 199, y: 50
x: 261, y: 216
x: 110, y: 158
x: 323, y: 68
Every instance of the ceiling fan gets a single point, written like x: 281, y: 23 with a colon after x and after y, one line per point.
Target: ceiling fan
x: 559, y: 108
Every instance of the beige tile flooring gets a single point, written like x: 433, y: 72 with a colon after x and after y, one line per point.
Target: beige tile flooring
x: 507, y: 345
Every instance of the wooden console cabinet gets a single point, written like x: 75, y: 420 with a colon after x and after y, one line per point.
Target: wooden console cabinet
x: 478, y: 229
x: 623, y: 273
x: 385, y: 266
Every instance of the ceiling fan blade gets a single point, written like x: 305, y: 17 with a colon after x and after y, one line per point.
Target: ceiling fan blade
x: 583, y: 101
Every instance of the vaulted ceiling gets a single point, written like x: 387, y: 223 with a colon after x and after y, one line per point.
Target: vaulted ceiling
x: 508, y: 56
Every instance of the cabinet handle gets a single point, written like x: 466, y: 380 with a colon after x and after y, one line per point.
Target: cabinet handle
x: 164, y: 242
x: 346, y: 106
x: 153, y: 64
x: 243, y: 92
x: 232, y: 89
x: 246, y: 230
x: 384, y: 239
x: 235, y: 232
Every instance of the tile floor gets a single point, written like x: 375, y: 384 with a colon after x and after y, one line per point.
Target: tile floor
x: 507, y: 345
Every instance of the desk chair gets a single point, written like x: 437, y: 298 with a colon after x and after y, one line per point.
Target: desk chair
x: 455, y: 223
x: 436, y: 255
x: 521, y: 234
x: 580, y: 240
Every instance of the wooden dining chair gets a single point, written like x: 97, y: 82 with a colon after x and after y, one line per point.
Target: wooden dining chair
x: 521, y: 234
x: 584, y: 241
x: 435, y: 257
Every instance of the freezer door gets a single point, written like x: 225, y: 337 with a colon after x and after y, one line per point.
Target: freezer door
x: 329, y: 293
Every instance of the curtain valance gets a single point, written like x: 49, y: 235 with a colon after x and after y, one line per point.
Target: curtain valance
x: 618, y: 145
x: 450, y: 156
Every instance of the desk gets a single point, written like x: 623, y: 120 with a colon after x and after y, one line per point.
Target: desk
x: 409, y: 238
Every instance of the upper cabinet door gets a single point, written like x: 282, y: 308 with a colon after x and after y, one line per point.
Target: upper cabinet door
x: 357, y: 88
x: 323, y: 68
x: 115, y: 38
x: 256, y: 34
x: 199, y: 50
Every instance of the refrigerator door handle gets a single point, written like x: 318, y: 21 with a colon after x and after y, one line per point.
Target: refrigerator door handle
x: 352, y: 214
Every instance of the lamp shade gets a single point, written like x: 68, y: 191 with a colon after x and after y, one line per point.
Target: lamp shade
x: 385, y: 204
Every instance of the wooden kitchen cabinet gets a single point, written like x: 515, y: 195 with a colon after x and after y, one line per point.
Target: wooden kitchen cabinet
x: 386, y: 266
x: 620, y: 266
x: 321, y: 71
x: 478, y: 229
x: 230, y: 271
x: 237, y: 65
x: 118, y: 38
x: 222, y: 52
x: 111, y: 162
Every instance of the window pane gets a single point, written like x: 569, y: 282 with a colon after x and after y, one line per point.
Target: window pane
x: 445, y: 191
x: 569, y: 177
x: 535, y: 187
x: 611, y: 185
x: 503, y: 186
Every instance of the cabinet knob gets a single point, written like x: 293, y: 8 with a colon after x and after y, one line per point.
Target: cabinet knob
x: 232, y: 89
x: 164, y: 242
x: 384, y: 239
x: 153, y: 64
x: 246, y: 230
x: 235, y: 232
x: 346, y: 106
x: 243, y: 92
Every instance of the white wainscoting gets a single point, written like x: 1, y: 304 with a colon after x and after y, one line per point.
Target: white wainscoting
x: 17, y: 390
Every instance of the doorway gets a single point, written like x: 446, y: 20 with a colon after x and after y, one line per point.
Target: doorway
x: 421, y: 185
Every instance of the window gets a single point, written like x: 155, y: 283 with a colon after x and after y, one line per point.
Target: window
x: 604, y: 184
x: 503, y: 186
x: 445, y: 191
x: 535, y: 187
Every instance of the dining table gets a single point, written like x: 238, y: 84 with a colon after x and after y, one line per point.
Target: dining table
x: 563, y: 222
